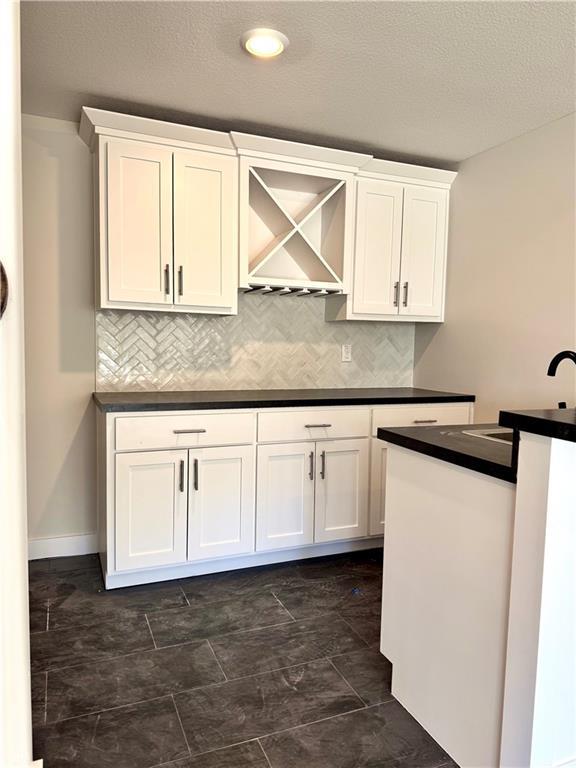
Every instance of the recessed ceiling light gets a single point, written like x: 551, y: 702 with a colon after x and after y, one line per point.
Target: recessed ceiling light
x: 264, y: 43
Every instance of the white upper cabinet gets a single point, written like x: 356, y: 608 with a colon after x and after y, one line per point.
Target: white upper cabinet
x: 377, y: 251
x: 186, y: 216
x: 423, y: 251
x: 166, y: 215
x: 139, y: 205
x: 400, y: 245
x: 205, y: 226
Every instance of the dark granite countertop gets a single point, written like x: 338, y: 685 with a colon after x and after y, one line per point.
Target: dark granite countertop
x: 270, y: 398
x: 559, y: 422
x: 449, y: 443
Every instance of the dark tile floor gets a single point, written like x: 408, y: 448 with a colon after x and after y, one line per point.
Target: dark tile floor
x: 273, y: 667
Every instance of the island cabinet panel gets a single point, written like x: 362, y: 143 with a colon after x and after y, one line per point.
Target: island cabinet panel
x: 221, y: 502
x: 341, y: 510
x: 139, y: 218
x: 285, y: 495
x: 205, y: 223
x: 151, y: 501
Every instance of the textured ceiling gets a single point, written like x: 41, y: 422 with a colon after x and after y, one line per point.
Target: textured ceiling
x: 436, y: 81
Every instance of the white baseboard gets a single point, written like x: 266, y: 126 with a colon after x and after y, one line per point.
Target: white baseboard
x: 62, y: 546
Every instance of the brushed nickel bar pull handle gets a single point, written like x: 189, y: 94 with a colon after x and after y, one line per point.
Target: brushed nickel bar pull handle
x: 405, y: 300
x: 188, y: 431
x: 311, y: 472
x: 180, y: 281
x: 167, y: 279
x: 181, y: 484
x: 396, y: 293
x: 195, y: 474
x: 323, y: 465
x: 425, y: 421
x: 317, y: 426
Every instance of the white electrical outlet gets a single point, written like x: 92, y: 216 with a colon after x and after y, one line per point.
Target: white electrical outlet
x: 346, y: 353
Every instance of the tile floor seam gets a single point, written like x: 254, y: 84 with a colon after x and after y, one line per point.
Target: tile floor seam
x: 181, y: 724
x: 159, y: 648
x: 275, y: 596
x: 150, y: 630
x: 217, y: 660
x: 358, y: 635
x: 354, y: 691
x: 138, y: 701
x: 229, y: 634
x: 45, y: 698
x: 221, y: 749
x: 264, y: 753
x: 185, y: 595
x: 47, y: 615
x: 105, y: 658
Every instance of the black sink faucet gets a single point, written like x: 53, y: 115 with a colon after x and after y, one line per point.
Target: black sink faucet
x: 557, y: 359
x: 555, y: 362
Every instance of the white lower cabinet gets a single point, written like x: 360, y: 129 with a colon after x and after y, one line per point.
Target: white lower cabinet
x: 285, y: 495
x: 151, y: 509
x: 378, y: 451
x: 341, y: 509
x: 311, y: 492
x: 184, y: 489
x: 221, y: 502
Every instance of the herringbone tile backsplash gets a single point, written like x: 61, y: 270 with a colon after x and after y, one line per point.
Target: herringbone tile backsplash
x: 273, y: 343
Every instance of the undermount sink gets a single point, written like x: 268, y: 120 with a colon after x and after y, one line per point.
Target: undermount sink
x: 498, y: 435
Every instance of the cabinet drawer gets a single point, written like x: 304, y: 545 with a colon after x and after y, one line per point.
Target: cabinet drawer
x: 184, y: 431
x: 287, y: 426
x: 419, y: 415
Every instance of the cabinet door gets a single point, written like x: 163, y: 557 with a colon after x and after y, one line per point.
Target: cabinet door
x: 221, y: 506
x: 424, y: 232
x: 205, y: 229
x: 285, y: 496
x: 341, y: 490
x: 139, y: 215
x: 377, y: 251
x: 150, y: 509
x: 378, y: 451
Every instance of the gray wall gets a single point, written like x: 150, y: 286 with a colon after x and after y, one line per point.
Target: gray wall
x: 511, y: 277
x: 59, y: 324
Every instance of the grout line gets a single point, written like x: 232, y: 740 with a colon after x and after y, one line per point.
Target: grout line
x: 217, y: 660
x: 358, y: 635
x: 110, y: 709
x: 181, y: 726
x: 150, y: 630
x: 354, y: 691
x: 47, y: 615
x: 185, y: 595
x: 264, y: 752
x: 45, y: 698
x: 157, y: 648
x: 275, y: 596
x: 202, y: 688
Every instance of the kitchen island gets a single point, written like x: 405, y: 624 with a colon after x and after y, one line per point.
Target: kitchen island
x: 479, y: 588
